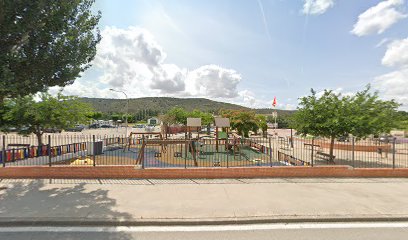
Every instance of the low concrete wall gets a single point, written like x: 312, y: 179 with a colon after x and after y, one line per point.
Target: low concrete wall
x: 348, y: 146
x: 88, y: 172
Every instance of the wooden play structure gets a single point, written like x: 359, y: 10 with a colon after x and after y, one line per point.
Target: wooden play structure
x: 137, y: 138
x: 193, y: 124
x: 223, y: 123
x: 193, y: 145
x: 234, y: 144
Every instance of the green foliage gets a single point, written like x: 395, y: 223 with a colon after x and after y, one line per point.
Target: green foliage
x: 262, y: 123
x: 333, y: 115
x: 179, y: 115
x: 44, y: 43
x: 242, y: 121
x: 116, y: 117
x: 130, y: 118
x: 206, y: 118
x: 176, y: 115
x: 58, y: 112
x: 282, y: 121
x: 147, y: 107
x: 402, y: 117
x: 96, y: 115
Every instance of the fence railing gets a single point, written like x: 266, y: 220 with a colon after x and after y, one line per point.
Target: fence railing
x: 178, y: 152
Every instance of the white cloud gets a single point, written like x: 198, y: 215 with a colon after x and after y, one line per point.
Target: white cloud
x: 316, y: 7
x: 379, y: 18
x: 130, y: 59
x: 213, y: 81
x: 396, y: 54
x: 86, y: 89
x: 394, y: 85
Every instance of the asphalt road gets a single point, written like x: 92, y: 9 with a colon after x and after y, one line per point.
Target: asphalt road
x: 332, y: 231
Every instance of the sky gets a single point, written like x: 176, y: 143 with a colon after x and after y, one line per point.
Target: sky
x: 248, y: 51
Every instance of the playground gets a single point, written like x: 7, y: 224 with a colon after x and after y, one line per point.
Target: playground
x: 192, y: 147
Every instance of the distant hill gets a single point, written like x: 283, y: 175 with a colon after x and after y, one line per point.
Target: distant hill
x: 163, y: 104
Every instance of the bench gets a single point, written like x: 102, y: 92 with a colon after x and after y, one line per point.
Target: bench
x: 310, y: 145
x: 325, y: 156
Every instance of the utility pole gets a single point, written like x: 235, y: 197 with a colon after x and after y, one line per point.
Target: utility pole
x: 127, y: 108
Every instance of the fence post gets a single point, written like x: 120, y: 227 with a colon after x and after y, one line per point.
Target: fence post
x: 49, y: 150
x: 94, y: 151
x: 352, y: 153
x: 393, y: 153
x: 4, y: 155
x: 312, y: 151
x: 227, y: 153
x: 143, y: 152
x: 270, y: 152
x: 185, y: 155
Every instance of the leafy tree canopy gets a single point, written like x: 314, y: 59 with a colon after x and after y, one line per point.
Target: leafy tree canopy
x: 44, y: 43
x: 179, y: 115
x: 242, y: 121
x: 60, y: 112
x: 333, y: 115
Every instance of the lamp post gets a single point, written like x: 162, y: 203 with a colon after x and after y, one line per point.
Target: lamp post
x: 127, y: 107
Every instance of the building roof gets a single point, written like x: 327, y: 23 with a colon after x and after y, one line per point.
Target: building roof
x: 222, y: 122
x: 193, y: 122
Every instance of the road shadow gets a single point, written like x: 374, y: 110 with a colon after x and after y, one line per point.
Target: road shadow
x: 33, y: 199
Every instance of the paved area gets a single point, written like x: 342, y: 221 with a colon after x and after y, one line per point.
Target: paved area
x: 348, y: 231
x: 136, y: 201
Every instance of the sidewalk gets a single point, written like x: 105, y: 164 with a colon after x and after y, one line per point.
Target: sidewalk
x: 200, y: 201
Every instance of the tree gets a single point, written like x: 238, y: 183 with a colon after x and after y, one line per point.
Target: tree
x: 44, y: 43
x: 333, y: 115
x: 282, y: 121
x: 261, y: 121
x: 50, y: 112
x: 96, y: 115
x: 241, y: 121
x: 176, y: 115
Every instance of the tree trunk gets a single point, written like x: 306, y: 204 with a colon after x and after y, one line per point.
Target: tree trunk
x: 39, y: 138
x: 209, y: 129
x: 331, y: 149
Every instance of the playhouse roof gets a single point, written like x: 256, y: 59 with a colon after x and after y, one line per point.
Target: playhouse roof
x: 193, y: 122
x: 222, y: 122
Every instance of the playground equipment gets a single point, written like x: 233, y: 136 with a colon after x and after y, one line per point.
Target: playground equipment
x: 234, y: 145
x: 193, y: 123
x: 139, y: 137
x: 82, y: 162
x: 221, y: 123
x: 190, y: 146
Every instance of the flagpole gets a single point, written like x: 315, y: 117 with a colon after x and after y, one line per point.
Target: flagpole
x: 274, y: 113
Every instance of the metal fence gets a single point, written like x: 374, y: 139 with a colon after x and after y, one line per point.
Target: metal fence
x: 152, y: 151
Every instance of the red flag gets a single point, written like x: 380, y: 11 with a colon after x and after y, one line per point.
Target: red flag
x: 274, y: 102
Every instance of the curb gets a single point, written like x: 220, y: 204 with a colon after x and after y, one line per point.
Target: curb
x: 13, y: 222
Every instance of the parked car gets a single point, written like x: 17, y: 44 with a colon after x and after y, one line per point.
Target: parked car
x: 386, y: 138
x: 11, y: 129
x: 94, y: 125
x: 343, y: 139
x: 77, y: 128
x: 107, y: 126
x: 52, y: 130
